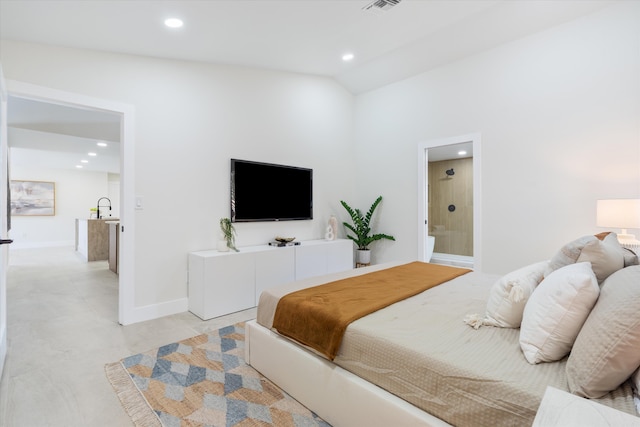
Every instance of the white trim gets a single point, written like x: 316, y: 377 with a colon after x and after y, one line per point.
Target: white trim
x: 126, y: 268
x: 4, y: 250
x: 155, y: 311
x: 3, y: 347
x: 423, y: 147
x: 4, y: 93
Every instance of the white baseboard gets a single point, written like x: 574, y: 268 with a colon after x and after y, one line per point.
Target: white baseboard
x: 453, y: 260
x: 17, y: 244
x: 3, y: 348
x: 155, y: 311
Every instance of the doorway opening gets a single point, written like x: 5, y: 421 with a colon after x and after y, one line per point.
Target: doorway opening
x: 126, y: 314
x: 449, y: 201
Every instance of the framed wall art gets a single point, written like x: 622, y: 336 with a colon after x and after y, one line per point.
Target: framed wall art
x: 33, y: 198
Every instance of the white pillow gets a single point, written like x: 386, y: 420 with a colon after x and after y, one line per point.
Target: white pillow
x: 556, y: 311
x: 508, y: 296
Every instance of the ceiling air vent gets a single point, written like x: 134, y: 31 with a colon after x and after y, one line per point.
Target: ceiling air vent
x: 380, y: 6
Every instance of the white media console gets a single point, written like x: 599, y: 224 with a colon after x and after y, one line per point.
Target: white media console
x: 225, y: 282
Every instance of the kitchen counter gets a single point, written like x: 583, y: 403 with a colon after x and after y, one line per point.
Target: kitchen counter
x: 92, y: 238
x: 114, y: 238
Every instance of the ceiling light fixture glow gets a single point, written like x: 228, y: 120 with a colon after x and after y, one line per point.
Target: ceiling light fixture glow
x: 461, y: 153
x: 79, y: 166
x: 173, y: 23
x: 102, y: 144
x: 92, y: 154
x: 84, y: 161
x: 348, y: 57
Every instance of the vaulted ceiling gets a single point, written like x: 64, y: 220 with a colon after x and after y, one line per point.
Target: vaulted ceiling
x: 390, y: 39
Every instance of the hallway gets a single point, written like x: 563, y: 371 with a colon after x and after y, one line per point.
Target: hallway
x: 62, y: 321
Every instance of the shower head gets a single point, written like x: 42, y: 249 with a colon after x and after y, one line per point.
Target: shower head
x: 450, y: 172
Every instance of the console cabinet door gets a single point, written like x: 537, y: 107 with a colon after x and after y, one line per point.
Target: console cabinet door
x: 340, y: 256
x: 234, y: 283
x: 321, y: 257
x: 229, y: 285
x: 274, y: 268
x: 311, y: 260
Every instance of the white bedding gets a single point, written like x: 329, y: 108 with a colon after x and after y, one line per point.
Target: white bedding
x: 420, y: 350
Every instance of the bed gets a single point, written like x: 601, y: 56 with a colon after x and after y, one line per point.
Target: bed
x: 415, y: 362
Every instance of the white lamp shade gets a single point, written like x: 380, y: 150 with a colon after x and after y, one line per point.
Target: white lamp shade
x: 618, y: 213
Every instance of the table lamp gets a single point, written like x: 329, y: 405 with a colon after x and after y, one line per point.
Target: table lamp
x: 623, y: 214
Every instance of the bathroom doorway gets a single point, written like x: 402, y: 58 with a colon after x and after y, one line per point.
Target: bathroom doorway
x: 449, y: 201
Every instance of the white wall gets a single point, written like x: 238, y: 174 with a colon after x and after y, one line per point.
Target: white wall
x: 190, y: 119
x: 559, y: 114
x: 113, y: 193
x: 76, y: 193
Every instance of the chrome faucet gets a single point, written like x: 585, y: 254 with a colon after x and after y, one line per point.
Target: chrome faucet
x: 98, y: 206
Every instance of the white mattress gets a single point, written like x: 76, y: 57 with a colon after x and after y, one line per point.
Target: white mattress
x: 421, y: 350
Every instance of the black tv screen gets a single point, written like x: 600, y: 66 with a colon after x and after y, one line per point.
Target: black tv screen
x: 270, y: 192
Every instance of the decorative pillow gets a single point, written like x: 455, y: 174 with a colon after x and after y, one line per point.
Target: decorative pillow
x: 635, y: 381
x: 606, y: 256
x: 568, y: 254
x: 556, y: 311
x: 607, y: 350
x: 630, y: 257
x: 508, y: 297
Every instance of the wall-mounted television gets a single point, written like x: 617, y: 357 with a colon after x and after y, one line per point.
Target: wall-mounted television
x: 270, y: 192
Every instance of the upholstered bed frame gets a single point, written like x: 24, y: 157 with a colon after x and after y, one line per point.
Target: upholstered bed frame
x: 338, y: 396
x: 437, y: 368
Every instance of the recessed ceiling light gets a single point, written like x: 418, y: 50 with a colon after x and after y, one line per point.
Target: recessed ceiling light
x: 92, y: 154
x: 173, y: 23
x: 102, y: 144
x: 79, y: 166
x: 462, y: 153
x: 348, y: 56
x: 84, y: 161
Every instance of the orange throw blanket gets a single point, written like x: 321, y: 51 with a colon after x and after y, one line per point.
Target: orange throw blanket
x: 318, y: 316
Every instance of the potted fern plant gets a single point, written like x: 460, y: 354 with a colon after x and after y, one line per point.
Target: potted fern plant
x: 361, y: 229
x: 228, y: 240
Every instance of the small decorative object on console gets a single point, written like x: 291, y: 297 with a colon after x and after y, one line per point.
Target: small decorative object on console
x: 281, y: 244
x: 332, y: 229
x: 284, y: 241
x: 228, y: 238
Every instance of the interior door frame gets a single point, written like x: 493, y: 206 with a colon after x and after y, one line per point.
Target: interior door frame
x: 4, y: 249
x: 423, y: 178
x: 126, y: 259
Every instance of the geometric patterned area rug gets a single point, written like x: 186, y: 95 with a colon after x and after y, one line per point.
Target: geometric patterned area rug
x: 203, y: 381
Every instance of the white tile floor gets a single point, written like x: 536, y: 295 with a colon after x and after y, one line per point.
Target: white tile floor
x: 62, y: 330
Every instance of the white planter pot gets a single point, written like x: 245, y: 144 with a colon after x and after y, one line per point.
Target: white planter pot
x: 363, y: 256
